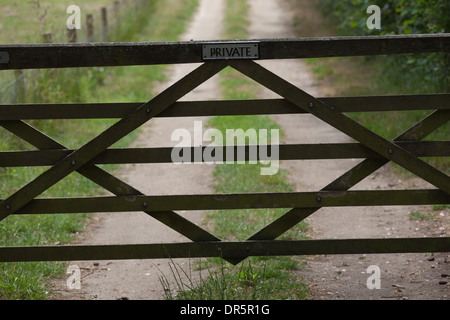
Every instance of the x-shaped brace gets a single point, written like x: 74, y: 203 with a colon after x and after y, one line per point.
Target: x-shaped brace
x: 80, y: 159
x: 357, y: 173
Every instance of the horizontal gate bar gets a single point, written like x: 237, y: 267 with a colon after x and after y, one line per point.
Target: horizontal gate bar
x: 222, y: 108
x: 236, y: 201
x: 223, y: 249
x: 151, y: 53
x: 251, y: 152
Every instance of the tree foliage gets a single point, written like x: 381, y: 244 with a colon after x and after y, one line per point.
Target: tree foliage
x: 401, y: 17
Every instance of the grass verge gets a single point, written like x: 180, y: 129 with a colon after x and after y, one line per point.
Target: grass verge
x: 29, y: 281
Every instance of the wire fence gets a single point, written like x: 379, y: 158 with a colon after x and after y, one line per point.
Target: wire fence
x: 108, y: 24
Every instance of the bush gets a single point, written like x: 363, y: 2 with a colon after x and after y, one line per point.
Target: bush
x: 429, y: 72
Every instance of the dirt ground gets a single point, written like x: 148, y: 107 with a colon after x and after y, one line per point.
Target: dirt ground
x: 403, y: 276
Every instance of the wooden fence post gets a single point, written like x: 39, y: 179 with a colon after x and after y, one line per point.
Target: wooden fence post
x: 116, y: 10
x: 20, y: 86
x: 47, y: 37
x: 90, y: 27
x: 72, y: 35
x: 105, y: 24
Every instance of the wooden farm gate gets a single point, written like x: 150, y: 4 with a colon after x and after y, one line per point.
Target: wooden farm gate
x: 406, y: 150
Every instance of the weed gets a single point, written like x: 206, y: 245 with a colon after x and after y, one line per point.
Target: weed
x: 416, y: 215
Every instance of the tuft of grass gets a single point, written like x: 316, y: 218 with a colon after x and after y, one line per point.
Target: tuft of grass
x: 253, y: 279
x: 416, y: 215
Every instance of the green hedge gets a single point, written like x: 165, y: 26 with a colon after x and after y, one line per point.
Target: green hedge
x: 425, y: 72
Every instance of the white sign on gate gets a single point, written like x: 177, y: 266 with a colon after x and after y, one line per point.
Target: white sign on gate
x: 234, y: 50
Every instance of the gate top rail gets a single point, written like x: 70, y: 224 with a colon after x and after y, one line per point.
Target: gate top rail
x: 69, y: 55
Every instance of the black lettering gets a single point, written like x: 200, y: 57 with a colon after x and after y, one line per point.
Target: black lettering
x: 229, y: 51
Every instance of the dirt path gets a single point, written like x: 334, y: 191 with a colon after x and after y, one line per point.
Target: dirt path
x: 403, y: 276
x: 139, y: 279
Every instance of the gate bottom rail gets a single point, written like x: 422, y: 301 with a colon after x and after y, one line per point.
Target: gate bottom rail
x: 230, y: 249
